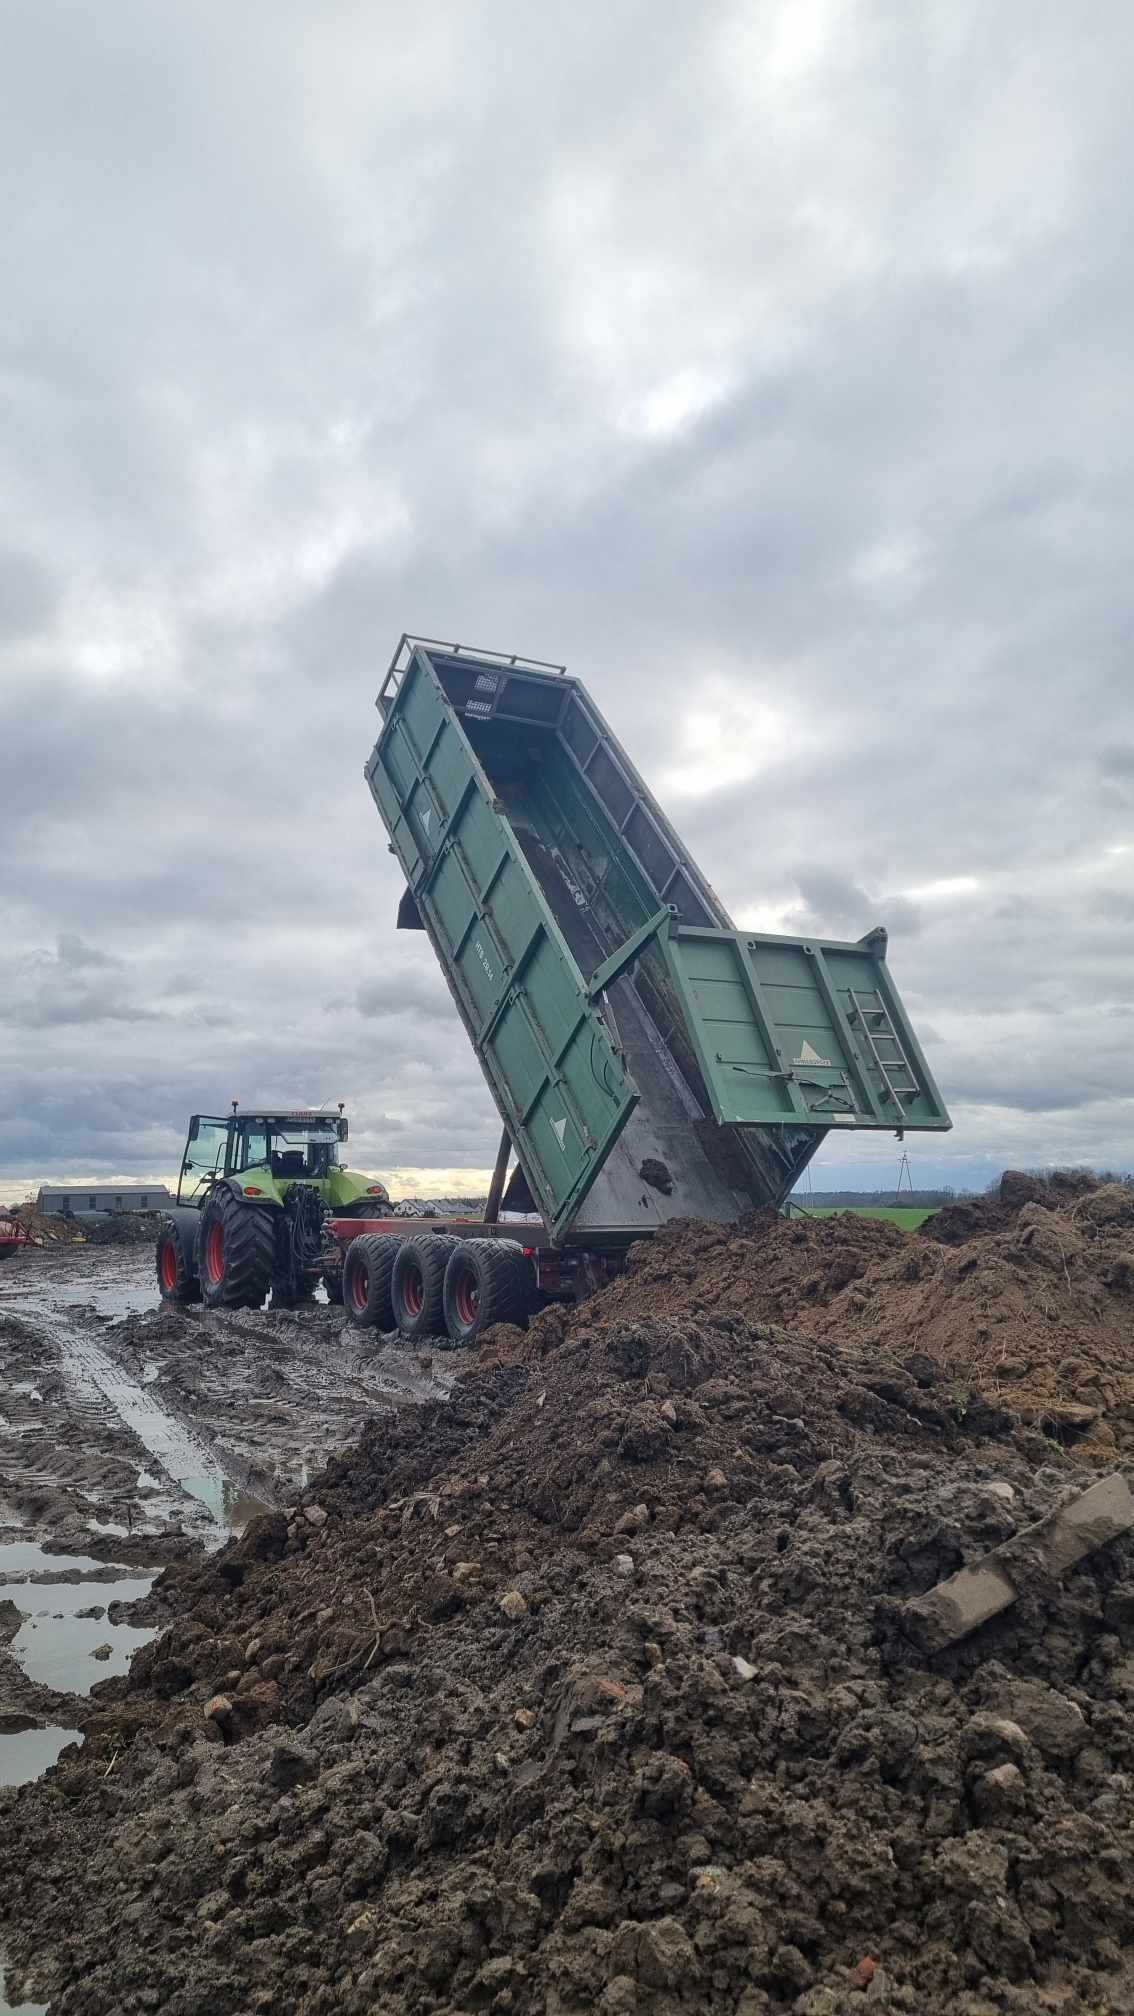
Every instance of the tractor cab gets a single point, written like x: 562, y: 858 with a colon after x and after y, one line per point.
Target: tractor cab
x: 286, y: 1147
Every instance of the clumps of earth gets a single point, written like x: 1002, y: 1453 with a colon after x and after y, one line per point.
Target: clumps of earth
x: 586, y: 1690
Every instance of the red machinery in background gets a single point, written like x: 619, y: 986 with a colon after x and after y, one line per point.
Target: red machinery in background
x: 13, y: 1233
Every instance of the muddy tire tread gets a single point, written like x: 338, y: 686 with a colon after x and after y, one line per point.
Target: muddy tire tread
x: 186, y: 1288
x: 378, y: 1252
x: 249, y: 1253
x: 505, y: 1285
x: 430, y: 1252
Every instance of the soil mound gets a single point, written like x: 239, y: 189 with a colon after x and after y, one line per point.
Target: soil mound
x: 583, y: 1691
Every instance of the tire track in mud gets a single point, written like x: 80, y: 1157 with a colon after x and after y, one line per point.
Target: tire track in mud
x: 79, y: 1435
x: 176, y: 1423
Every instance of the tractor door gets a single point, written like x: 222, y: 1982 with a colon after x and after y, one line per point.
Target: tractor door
x: 205, y: 1158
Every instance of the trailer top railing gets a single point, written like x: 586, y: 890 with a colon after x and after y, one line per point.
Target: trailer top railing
x: 511, y: 660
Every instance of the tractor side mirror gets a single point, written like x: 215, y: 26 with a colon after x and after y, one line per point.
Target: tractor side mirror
x: 342, y: 1130
x: 194, y: 1128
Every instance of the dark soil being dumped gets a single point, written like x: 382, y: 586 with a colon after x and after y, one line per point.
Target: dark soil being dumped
x: 586, y: 1689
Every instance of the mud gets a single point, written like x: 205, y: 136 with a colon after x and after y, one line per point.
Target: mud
x: 587, y: 1688
x: 130, y: 1437
x: 142, y: 1434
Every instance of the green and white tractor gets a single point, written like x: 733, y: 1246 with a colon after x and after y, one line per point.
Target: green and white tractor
x: 252, y: 1195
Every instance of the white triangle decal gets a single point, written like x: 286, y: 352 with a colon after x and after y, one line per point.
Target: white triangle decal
x: 559, y: 1129
x: 809, y: 1056
x: 427, y: 817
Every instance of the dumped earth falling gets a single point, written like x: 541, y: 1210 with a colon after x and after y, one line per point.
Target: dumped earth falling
x: 592, y: 1687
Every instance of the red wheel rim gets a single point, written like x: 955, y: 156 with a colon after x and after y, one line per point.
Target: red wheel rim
x: 467, y: 1296
x: 413, y: 1291
x: 214, y: 1252
x: 167, y: 1264
x: 360, y: 1287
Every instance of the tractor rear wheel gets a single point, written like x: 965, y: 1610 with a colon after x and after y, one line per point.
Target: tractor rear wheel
x: 418, y: 1285
x: 365, y: 1280
x: 486, y: 1281
x: 237, y: 1252
x: 177, y: 1283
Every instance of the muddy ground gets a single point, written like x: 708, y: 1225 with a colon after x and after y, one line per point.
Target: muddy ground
x: 587, y: 1687
x: 131, y: 1436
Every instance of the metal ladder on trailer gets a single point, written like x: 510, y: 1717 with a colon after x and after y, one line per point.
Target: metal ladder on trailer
x: 876, y: 1028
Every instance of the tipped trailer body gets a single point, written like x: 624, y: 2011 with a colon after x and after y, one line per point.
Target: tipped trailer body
x: 648, y: 1059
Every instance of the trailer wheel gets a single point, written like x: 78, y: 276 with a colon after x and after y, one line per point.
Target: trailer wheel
x: 177, y: 1283
x: 418, y: 1284
x: 238, y: 1245
x: 365, y: 1281
x: 486, y: 1281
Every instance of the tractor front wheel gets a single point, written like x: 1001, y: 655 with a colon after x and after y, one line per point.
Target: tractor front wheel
x: 237, y: 1252
x: 177, y: 1283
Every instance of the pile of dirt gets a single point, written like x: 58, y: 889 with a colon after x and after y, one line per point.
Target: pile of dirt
x: 1028, y: 1297
x: 124, y: 1228
x: 586, y: 1690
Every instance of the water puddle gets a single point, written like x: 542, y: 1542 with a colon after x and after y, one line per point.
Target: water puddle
x: 223, y: 1500
x: 30, y: 1754
x: 27, y: 1557
x: 55, y: 1644
x: 127, y: 1297
x: 58, y: 1650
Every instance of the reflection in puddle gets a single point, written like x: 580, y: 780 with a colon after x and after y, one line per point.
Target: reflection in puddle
x: 55, y: 1647
x: 228, y: 1504
x: 58, y: 1651
x: 20, y: 1556
x: 31, y: 1753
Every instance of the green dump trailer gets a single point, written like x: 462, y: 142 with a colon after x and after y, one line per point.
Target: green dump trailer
x: 647, y: 1059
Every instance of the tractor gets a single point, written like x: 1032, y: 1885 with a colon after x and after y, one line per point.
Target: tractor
x: 252, y: 1195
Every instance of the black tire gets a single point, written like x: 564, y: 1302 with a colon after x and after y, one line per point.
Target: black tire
x: 486, y: 1281
x: 365, y: 1281
x: 237, y: 1252
x: 418, y: 1284
x: 177, y: 1283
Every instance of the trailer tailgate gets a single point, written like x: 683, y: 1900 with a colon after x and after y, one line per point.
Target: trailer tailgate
x: 801, y: 1030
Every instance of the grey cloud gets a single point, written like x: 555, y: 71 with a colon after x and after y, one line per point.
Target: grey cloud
x: 289, y: 366
x: 74, y: 953
x: 29, y: 596
x: 419, y: 994
x: 835, y: 907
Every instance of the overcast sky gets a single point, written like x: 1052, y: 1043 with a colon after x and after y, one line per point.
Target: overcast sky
x: 769, y: 363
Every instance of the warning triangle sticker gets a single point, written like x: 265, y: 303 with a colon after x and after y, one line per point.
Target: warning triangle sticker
x: 559, y: 1129
x: 809, y: 1056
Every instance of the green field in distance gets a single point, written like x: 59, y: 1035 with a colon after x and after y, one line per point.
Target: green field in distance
x: 909, y: 1217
